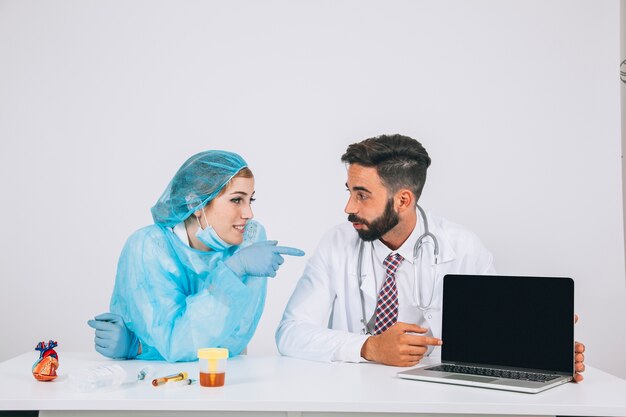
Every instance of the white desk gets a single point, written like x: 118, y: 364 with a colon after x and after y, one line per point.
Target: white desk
x: 279, y: 386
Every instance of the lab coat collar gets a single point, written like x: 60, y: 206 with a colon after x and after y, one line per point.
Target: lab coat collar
x: 446, y: 250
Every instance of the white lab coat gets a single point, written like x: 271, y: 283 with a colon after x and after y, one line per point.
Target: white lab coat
x: 322, y: 320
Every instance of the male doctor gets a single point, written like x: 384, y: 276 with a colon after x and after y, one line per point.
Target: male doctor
x: 373, y: 289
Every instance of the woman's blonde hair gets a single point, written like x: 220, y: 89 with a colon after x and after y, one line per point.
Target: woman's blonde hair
x: 244, y: 172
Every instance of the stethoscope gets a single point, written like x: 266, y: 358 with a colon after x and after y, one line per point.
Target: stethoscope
x: 368, y: 326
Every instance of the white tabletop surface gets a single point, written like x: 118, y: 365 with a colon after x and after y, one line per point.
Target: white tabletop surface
x: 274, y: 383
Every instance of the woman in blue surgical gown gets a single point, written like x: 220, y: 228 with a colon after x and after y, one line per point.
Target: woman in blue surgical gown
x: 197, y: 276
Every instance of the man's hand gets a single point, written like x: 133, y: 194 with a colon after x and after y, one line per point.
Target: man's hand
x: 579, y: 357
x: 579, y: 362
x: 395, y: 347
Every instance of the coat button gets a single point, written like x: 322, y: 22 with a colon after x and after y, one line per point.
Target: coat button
x: 430, y: 316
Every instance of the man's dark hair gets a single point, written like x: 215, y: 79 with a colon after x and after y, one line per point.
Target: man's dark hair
x: 401, y: 161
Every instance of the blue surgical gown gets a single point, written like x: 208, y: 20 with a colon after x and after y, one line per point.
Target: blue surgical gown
x: 177, y: 299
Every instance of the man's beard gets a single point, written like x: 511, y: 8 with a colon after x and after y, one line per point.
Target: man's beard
x: 379, y: 226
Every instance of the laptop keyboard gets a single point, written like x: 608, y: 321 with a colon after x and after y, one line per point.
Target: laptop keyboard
x: 496, y: 373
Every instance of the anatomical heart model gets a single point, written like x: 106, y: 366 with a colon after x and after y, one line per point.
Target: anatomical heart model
x: 45, y: 369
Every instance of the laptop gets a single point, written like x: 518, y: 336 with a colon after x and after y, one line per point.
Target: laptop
x: 504, y: 332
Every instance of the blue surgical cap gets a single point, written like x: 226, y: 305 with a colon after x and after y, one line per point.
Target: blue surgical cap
x: 198, y: 181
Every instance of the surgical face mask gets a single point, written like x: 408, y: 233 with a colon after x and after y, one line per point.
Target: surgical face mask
x: 209, y: 237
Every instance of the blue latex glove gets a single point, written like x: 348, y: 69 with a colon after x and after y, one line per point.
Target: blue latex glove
x: 113, y: 339
x: 261, y: 259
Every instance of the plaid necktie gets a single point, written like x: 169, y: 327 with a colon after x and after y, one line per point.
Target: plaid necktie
x: 387, y: 305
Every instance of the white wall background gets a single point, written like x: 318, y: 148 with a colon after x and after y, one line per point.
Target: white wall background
x: 100, y: 102
x: 623, y: 96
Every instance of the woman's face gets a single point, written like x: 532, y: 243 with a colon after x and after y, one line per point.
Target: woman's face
x: 229, y: 213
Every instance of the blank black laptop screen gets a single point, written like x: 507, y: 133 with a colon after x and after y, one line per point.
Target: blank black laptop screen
x: 523, y: 322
